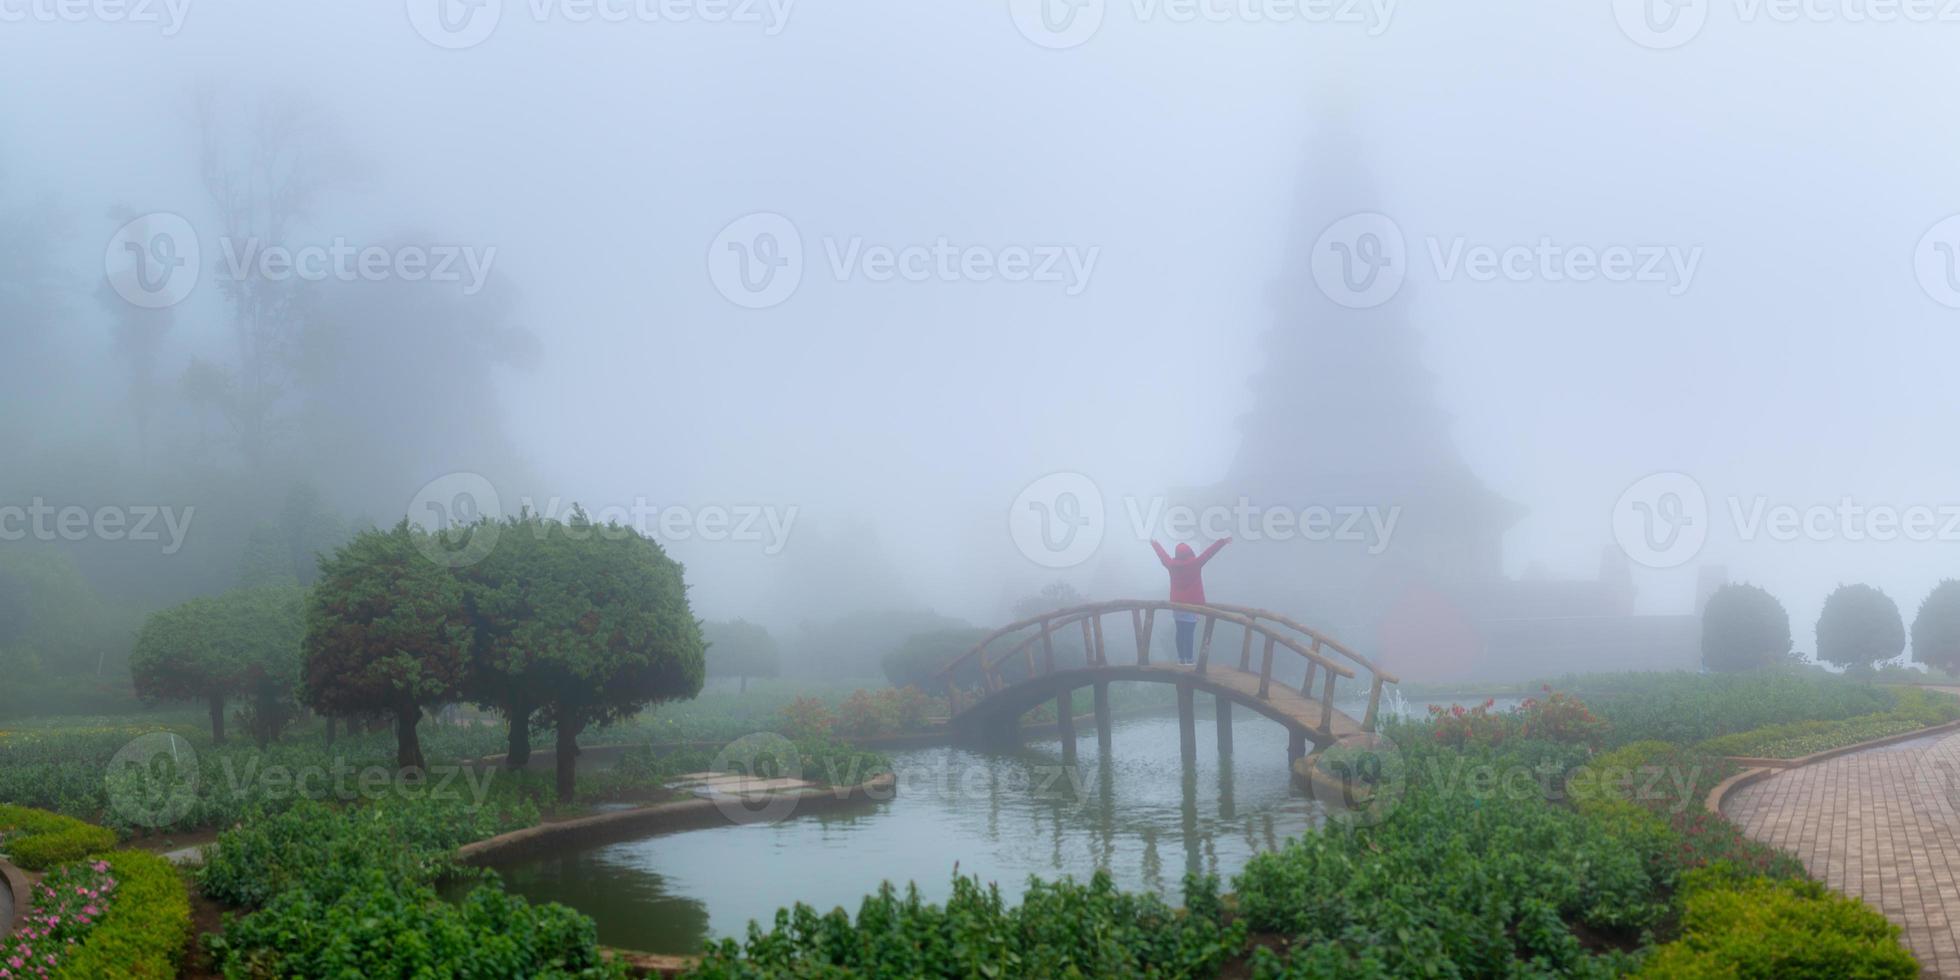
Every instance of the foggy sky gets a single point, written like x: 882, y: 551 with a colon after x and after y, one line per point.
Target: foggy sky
x: 1804, y: 364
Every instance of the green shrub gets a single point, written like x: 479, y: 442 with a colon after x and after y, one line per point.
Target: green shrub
x: 380, y: 927
x: 1742, y: 628
x: 1761, y: 928
x: 145, y: 929
x: 38, y: 840
x: 1914, y: 709
x: 1686, y: 708
x: 1060, y: 929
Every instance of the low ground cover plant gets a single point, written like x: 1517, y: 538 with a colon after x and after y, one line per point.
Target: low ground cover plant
x: 1914, y: 709
x: 1685, y: 708
x: 1060, y: 929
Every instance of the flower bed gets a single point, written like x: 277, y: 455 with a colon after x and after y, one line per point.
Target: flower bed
x: 121, y: 915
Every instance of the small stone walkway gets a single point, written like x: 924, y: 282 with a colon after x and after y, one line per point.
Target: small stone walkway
x: 1884, y: 825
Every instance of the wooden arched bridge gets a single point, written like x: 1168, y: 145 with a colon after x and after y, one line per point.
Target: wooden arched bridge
x: 1281, y: 669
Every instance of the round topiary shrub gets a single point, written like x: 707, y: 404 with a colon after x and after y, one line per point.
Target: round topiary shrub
x: 1859, y: 628
x: 1743, y: 628
x: 1936, y: 628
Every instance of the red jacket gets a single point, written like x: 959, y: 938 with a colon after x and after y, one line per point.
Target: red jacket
x: 1187, y: 571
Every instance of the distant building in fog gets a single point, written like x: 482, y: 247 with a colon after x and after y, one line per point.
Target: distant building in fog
x: 1344, y: 422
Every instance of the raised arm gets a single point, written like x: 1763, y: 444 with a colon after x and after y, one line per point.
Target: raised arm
x: 1205, y: 556
x: 1162, y: 555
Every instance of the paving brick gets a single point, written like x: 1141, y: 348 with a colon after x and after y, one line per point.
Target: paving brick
x: 1880, y: 824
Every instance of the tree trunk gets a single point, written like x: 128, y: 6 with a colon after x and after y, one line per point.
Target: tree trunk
x: 408, y: 748
x: 217, y: 719
x: 332, y: 722
x: 519, y: 752
x: 567, y: 758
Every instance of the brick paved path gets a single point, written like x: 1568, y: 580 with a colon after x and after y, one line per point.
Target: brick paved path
x: 1883, y: 825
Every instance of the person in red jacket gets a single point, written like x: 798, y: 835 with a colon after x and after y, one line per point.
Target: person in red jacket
x: 1187, y: 588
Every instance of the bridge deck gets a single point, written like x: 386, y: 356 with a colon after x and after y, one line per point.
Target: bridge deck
x: 1283, y: 702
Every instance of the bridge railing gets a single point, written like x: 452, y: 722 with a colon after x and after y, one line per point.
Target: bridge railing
x: 1002, y: 651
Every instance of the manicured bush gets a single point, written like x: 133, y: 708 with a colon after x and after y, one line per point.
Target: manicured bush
x: 1914, y: 709
x: 1936, y: 628
x: 1742, y: 628
x: 1762, y: 928
x: 1859, y: 628
x: 145, y: 928
x: 38, y: 840
x: 807, y: 717
x: 1060, y: 929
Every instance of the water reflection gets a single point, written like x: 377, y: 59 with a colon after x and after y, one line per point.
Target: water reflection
x: 1002, y: 816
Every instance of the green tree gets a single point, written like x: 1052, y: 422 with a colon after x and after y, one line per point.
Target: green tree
x: 242, y: 643
x: 581, y: 625
x: 178, y: 658
x: 739, y: 648
x: 387, y: 632
x: 1859, y: 628
x: 1743, y: 628
x: 1936, y: 628
x: 918, y: 661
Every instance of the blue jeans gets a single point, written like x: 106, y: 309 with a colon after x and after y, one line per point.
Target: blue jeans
x: 1187, y: 630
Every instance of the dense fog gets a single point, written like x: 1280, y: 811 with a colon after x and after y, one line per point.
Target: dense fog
x: 882, y: 308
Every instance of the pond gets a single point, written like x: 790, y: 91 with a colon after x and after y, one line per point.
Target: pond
x: 1000, y: 815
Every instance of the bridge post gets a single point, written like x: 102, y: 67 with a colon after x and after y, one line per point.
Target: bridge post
x: 1065, y: 720
x: 1102, y: 719
x: 1296, y: 745
x: 1222, y: 708
x: 1187, y: 734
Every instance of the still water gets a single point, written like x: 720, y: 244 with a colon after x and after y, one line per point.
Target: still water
x: 1001, y: 815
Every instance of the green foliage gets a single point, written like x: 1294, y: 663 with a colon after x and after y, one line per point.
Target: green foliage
x: 243, y: 643
x: 1936, y: 627
x: 1651, y: 795
x: 1763, y: 928
x: 321, y: 849
x: 38, y: 840
x: 386, y: 633
x: 1915, y: 709
x: 1743, y: 628
x: 917, y: 661
x: 583, y: 623
x: 146, y: 928
x: 1556, y: 717
x: 886, y: 711
x: 739, y: 648
x: 1060, y: 929
x: 378, y: 927
x: 56, y: 630
x: 1686, y: 708
x: 1859, y: 628
x: 1454, y: 876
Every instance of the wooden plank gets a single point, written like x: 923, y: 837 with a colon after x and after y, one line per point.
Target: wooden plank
x: 1374, y: 702
x: 1245, y: 650
x: 1327, y: 705
x: 1204, y: 647
x: 1306, y: 686
x: 1102, y: 656
x: 1149, y: 625
x: 1266, y: 672
x: 1088, y: 642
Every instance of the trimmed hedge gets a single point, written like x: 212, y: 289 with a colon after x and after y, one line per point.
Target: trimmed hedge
x: 1732, y: 927
x: 146, y: 926
x: 1915, y: 709
x: 38, y: 840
